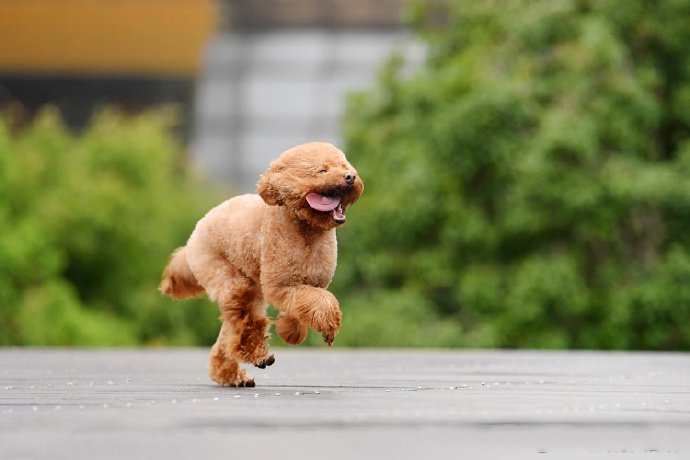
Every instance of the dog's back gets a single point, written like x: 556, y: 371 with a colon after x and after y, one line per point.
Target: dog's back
x: 228, y: 232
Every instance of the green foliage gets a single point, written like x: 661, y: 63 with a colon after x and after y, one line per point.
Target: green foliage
x: 87, y: 223
x: 528, y: 187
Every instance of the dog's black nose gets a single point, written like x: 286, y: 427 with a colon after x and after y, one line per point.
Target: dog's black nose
x: 350, y: 178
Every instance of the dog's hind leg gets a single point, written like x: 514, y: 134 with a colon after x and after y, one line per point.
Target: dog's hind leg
x: 243, y: 336
x: 224, y: 369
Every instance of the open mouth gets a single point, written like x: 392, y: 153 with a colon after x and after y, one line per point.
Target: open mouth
x: 331, y: 204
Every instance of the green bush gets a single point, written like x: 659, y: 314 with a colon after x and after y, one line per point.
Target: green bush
x: 529, y: 186
x: 87, y: 223
x: 526, y: 188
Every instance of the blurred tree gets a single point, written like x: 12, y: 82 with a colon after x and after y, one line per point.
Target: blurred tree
x: 87, y: 223
x: 529, y: 187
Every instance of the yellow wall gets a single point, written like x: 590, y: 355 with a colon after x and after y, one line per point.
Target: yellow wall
x: 104, y: 36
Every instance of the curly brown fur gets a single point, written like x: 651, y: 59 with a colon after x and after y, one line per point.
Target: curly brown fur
x: 290, y: 329
x: 276, y: 247
x: 178, y: 280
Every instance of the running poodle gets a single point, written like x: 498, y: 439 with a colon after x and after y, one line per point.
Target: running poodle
x: 276, y: 247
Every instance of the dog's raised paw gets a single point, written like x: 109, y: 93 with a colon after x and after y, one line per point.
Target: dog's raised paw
x: 265, y: 362
x: 290, y: 329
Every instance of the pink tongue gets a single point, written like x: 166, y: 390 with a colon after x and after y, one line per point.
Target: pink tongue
x: 322, y: 203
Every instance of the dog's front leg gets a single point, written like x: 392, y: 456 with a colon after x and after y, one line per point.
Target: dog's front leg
x: 313, y: 306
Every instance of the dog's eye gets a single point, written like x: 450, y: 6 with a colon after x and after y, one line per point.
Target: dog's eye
x: 322, y: 171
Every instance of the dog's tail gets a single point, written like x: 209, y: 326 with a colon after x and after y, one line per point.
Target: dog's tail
x: 178, y: 280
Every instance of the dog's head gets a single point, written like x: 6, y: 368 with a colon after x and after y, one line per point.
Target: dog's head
x: 315, y: 180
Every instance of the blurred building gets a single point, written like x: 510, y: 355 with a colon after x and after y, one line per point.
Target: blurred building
x: 278, y: 73
x: 83, y: 54
x: 253, y: 77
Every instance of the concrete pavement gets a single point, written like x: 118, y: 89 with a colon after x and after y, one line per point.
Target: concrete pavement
x: 341, y: 404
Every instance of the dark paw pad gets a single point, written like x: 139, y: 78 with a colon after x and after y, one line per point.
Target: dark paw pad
x: 246, y: 383
x: 266, y: 362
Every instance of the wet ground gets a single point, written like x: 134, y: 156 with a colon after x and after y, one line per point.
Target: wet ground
x: 345, y: 404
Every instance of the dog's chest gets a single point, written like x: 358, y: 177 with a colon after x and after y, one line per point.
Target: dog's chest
x: 316, y: 262
x: 292, y: 255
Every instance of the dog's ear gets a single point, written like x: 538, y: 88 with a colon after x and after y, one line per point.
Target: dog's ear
x: 267, y: 189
